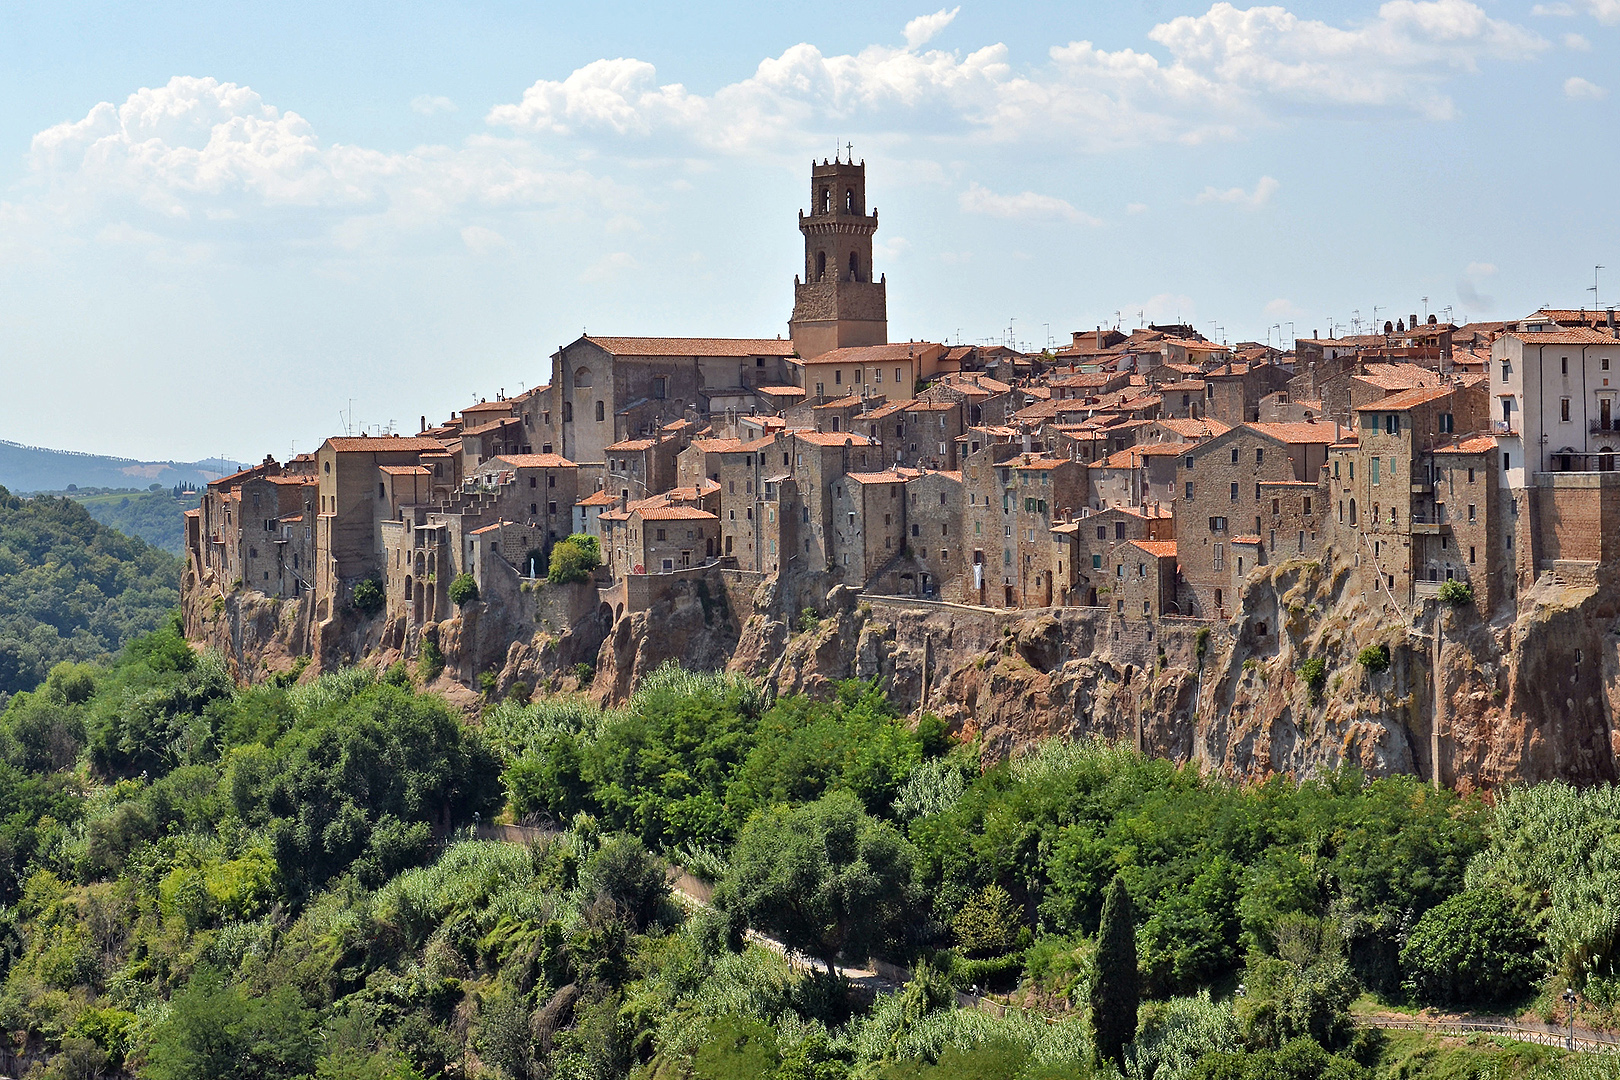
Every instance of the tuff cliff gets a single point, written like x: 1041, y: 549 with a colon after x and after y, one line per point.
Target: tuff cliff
x: 1529, y: 695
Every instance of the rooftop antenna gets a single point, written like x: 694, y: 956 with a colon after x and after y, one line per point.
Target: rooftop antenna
x: 1141, y: 317
x: 1594, y: 289
x: 1290, y: 330
x: 1425, y: 309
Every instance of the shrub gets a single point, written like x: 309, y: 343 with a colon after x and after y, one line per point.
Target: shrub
x: 1457, y: 593
x: 1201, y: 644
x: 1374, y: 658
x: 988, y: 924
x: 1471, y: 948
x: 429, y: 661
x: 369, y: 597
x: 463, y: 590
x: 1314, y: 672
x: 573, y: 559
x: 1116, y: 991
x: 809, y: 621
x: 584, y: 672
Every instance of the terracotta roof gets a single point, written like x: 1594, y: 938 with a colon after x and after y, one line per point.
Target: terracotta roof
x: 299, y: 480
x: 406, y: 470
x: 1573, y: 336
x: 848, y: 402
x: 833, y: 438
x: 195, y: 511
x: 484, y: 429
x: 668, y: 346
x: 629, y: 445
x: 489, y: 528
x: 1406, y: 399
x: 887, y: 476
x: 368, y: 444
x: 488, y: 406
x: 901, y: 350
x: 1042, y: 464
x: 1473, y: 444
x: 1161, y: 548
x: 1399, y: 376
x: 780, y: 391
x: 716, y: 446
x: 1203, y: 426
x: 883, y: 411
x: 536, y: 461
x: 598, y: 498
x: 675, y: 513
x: 1297, y: 432
x: 928, y: 406
x: 1255, y: 540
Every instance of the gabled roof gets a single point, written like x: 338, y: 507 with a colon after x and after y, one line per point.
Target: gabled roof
x: 598, y: 498
x: 1297, y: 432
x: 858, y: 354
x: 675, y: 513
x: 405, y: 470
x: 1579, y: 335
x: 535, y: 461
x: 1473, y: 444
x: 373, y: 445
x: 834, y: 438
x: 1407, y: 399
x: 1164, y: 549
x: 670, y: 346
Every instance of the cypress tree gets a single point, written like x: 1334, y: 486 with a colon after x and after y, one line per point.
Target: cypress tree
x: 1115, y: 993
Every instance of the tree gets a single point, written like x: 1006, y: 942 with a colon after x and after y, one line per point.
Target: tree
x: 624, y: 871
x: 826, y: 878
x: 369, y: 596
x: 573, y: 559
x: 463, y: 590
x: 1471, y: 948
x: 1456, y: 592
x: 1115, y: 993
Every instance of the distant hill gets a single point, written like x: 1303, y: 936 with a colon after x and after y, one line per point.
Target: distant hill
x: 31, y: 468
x: 72, y: 588
x: 158, y: 517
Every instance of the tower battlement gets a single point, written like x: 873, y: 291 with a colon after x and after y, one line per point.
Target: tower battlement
x: 840, y: 301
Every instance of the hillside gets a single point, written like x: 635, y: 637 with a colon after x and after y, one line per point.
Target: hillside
x: 282, y: 881
x: 26, y: 469
x: 158, y: 517
x: 72, y: 588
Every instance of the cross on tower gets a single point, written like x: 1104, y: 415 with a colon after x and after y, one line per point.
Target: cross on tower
x: 849, y: 152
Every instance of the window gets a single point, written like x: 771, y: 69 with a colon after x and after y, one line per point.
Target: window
x: 838, y: 376
x: 1507, y: 460
x: 1234, y: 490
x: 1189, y: 489
x: 1187, y: 461
x: 1259, y: 455
x: 1470, y: 554
x: 1096, y: 562
x: 1392, y: 424
x: 1119, y: 570
x: 1141, y: 569
x: 916, y: 530
x: 1102, y: 532
x: 899, y: 379
x: 1563, y: 409
x: 1119, y: 530
x: 877, y: 375
x: 1564, y: 365
x: 1307, y: 506
x: 601, y: 412
x: 1604, y: 363
x: 1375, y: 467
x: 1234, y: 455
x: 1219, y: 556
x: 660, y: 386
x: 568, y: 412
x: 1276, y: 506
x: 1471, y: 509
x: 1507, y: 369
x: 1470, y: 476
x: 1448, y: 423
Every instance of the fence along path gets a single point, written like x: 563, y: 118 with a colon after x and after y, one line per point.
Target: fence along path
x: 882, y: 977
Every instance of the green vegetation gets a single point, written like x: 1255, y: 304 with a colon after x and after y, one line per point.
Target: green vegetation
x: 155, y: 514
x: 574, y: 559
x: 369, y: 597
x: 1374, y: 658
x: 1456, y: 592
x: 277, y: 882
x: 1314, y: 671
x: 72, y: 589
x: 463, y: 590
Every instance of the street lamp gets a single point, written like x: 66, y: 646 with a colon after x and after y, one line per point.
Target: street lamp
x: 1569, y: 999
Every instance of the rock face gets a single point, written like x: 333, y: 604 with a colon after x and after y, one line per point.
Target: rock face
x: 1532, y: 695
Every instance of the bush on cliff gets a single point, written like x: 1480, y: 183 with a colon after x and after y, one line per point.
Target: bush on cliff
x: 1375, y: 658
x: 463, y: 590
x: 369, y: 597
x: 1457, y: 593
x: 573, y: 560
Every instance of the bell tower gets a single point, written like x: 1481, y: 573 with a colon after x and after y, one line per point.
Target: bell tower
x: 839, y: 302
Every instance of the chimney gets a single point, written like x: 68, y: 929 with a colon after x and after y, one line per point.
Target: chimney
x: 1099, y: 337
x: 1335, y: 429
x: 1316, y: 335
x: 424, y: 423
x: 1411, y: 323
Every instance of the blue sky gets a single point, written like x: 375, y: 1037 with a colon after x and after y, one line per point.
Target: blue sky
x: 220, y: 223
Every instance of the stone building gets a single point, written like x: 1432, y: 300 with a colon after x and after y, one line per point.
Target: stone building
x: 841, y: 302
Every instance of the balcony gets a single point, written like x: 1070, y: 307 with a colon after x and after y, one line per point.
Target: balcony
x: 1505, y: 427
x: 1428, y: 525
x: 1602, y: 427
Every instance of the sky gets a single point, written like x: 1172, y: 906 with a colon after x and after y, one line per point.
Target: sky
x: 236, y: 229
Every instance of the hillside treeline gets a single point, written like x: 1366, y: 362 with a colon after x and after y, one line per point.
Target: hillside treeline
x: 200, y: 880
x: 72, y: 589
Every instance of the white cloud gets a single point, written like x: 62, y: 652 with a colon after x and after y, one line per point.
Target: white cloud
x: 1262, y: 193
x: 1136, y: 208
x: 609, y: 266
x: 1025, y: 205
x: 924, y: 28
x: 1282, y: 308
x: 1577, y: 43
x: 1604, y: 11
x: 1580, y: 90
x: 432, y: 105
x: 200, y: 157
x: 482, y: 241
x: 1226, y: 69
x: 1559, y: 11
x: 1480, y: 269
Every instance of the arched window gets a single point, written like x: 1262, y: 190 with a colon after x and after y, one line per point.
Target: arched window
x: 821, y: 265
x: 582, y: 377
x: 849, y: 201
x: 826, y: 201
x: 854, y: 267
x: 601, y: 413
x: 1352, y: 511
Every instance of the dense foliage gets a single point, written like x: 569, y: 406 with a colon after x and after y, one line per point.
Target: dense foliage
x: 573, y: 559
x: 205, y: 880
x: 72, y: 589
